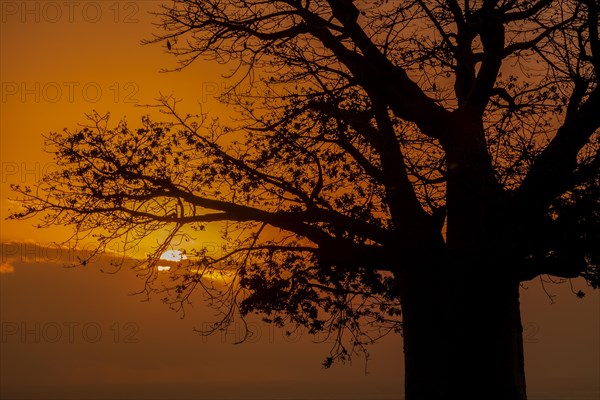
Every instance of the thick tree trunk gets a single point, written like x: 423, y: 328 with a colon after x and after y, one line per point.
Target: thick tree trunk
x: 462, y: 336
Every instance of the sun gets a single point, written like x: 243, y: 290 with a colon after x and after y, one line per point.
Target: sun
x: 173, y: 255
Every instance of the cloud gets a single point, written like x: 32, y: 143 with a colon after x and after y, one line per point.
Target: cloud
x: 15, y: 253
x: 6, y: 267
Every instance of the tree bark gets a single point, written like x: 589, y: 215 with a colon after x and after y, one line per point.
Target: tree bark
x: 462, y: 335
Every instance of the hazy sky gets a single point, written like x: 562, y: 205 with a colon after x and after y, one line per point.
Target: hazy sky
x: 78, y: 333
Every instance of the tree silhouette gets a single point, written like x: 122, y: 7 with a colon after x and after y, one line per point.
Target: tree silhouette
x: 419, y: 158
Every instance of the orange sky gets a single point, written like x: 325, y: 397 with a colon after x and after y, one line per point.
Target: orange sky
x: 53, y: 73
x: 54, y: 58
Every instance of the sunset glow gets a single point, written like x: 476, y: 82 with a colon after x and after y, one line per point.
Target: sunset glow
x: 406, y: 192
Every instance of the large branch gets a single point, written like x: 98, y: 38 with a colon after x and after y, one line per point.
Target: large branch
x: 592, y: 23
x: 491, y: 32
x: 375, y: 72
x: 293, y: 221
x: 530, y: 44
x: 408, y: 215
x: 331, y: 250
x: 553, y: 171
x: 555, y: 266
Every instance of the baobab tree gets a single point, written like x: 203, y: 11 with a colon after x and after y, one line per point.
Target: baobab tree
x: 397, y: 166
